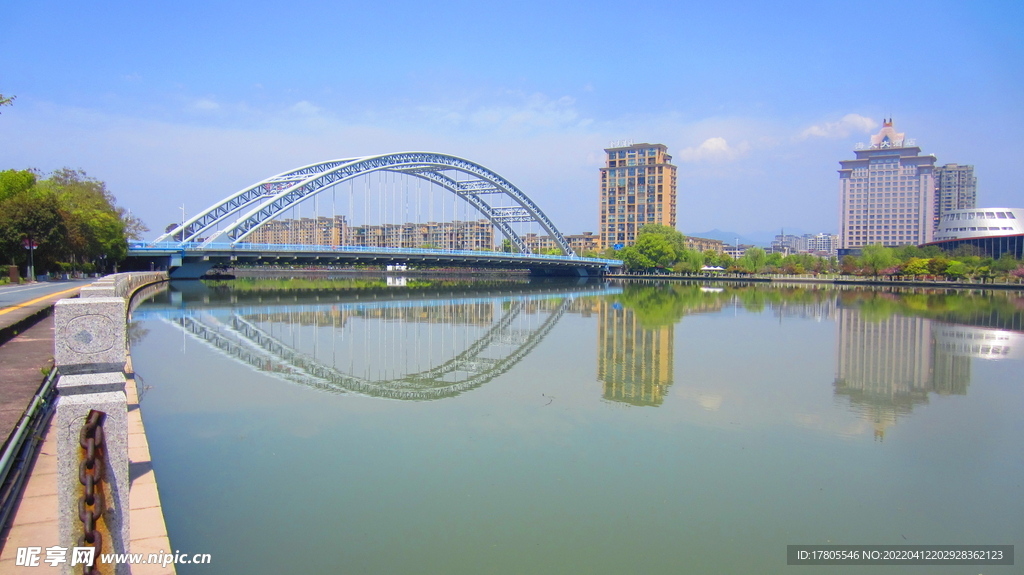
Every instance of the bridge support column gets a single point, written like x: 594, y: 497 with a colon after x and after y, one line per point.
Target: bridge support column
x: 190, y: 270
x: 562, y: 272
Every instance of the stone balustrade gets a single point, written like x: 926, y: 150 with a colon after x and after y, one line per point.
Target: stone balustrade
x: 90, y: 351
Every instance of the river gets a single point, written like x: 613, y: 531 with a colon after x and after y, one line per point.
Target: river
x: 446, y: 426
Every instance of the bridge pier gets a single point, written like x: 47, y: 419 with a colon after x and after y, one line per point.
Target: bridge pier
x: 564, y: 272
x: 190, y: 270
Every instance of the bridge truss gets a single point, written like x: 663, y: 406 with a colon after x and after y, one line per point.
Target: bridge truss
x: 237, y: 216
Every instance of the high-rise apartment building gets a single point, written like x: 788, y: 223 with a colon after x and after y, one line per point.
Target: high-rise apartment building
x: 956, y: 188
x: 887, y: 194
x: 638, y: 186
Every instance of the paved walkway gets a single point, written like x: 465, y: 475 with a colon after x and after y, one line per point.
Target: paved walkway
x: 23, y: 357
x: 25, y: 350
x: 35, y: 519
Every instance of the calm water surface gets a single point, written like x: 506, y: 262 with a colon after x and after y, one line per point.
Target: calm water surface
x: 349, y: 426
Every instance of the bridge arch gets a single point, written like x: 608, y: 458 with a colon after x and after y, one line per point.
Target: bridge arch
x: 248, y: 209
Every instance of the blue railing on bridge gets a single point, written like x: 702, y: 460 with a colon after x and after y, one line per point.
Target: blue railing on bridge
x: 247, y: 247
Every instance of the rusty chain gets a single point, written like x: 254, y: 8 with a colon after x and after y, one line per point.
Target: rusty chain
x: 90, y: 473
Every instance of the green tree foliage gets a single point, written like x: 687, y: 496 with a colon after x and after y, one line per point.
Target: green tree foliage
x: 649, y: 251
x: 72, y: 217
x: 915, y: 266
x: 956, y: 270
x: 753, y: 260
x: 9, y: 101
x: 675, y: 239
x: 656, y: 246
x: 1005, y: 264
x: 33, y: 215
x: 877, y: 257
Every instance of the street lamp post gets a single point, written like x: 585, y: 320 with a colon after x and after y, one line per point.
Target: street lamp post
x: 31, y: 246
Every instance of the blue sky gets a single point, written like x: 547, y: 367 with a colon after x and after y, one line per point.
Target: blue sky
x: 186, y: 102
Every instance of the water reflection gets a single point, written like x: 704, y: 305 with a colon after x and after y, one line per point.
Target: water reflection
x: 633, y: 362
x: 886, y: 367
x: 893, y: 348
x: 397, y: 347
x: 983, y: 343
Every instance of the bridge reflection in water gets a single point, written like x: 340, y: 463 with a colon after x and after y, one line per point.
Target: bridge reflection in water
x: 377, y: 347
x: 423, y: 344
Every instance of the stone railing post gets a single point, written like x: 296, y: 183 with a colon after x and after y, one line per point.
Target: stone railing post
x: 90, y: 350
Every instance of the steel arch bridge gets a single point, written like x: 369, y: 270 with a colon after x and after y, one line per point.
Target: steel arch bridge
x: 238, y: 215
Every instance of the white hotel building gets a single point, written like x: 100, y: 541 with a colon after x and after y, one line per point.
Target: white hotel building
x: 887, y: 194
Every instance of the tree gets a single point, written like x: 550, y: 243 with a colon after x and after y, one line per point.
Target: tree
x: 35, y: 216
x: 877, y: 257
x: 14, y: 182
x: 753, y: 260
x: 1005, y: 263
x: 6, y: 101
x: 72, y: 217
x: 635, y: 260
x: 657, y: 249
x: 955, y: 269
x: 937, y: 266
x: 849, y: 265
x: 506, y: 245
x: 675, y: 239
x: 915, y: 267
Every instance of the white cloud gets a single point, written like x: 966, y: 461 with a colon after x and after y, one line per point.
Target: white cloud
x: 715, y: 149
x: 305, y: 108
x: 849, y: 124
x: 517, y: 112
x: 205, y: 104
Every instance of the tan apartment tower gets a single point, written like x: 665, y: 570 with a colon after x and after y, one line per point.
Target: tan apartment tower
x: 887, y: 194
x: 638, y: 186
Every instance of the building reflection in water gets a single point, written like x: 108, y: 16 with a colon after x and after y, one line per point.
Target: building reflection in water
x: 979, y: 342
x: 633, y: 362
x: 887, y: 367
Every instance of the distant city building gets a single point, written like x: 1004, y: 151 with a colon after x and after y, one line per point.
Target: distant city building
x: 993, y: 231
x: 956, y: 188
x: 823, y: 244
x: 457, y: 235
x: 817, y: 244
x: 580, y: 243
x: 887, y: 194
x: 786, y: 244
x: 321, y: 231
x: 704, y: 244
x: 638, y: 186
x: 737, y: 250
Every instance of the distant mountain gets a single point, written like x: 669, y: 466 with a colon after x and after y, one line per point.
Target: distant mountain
x: 764, y: 238
x: 760, y: 238
x: 727, y: 237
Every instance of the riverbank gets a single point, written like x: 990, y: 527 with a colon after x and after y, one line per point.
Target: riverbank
x: 834, y: 280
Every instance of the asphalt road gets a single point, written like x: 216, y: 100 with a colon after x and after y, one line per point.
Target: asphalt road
x: 15, y: 296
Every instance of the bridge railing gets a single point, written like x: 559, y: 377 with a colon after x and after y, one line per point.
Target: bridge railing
x: 249, y: 247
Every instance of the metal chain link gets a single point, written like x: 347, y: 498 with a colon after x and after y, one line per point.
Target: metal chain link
x: 90, y: 473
